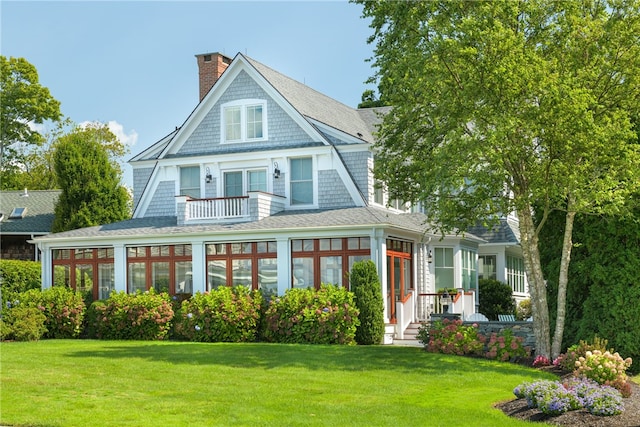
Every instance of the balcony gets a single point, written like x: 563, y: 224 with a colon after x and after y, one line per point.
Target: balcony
x: 255, y: 206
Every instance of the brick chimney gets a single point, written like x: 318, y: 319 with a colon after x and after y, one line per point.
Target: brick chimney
x: 210, y: 68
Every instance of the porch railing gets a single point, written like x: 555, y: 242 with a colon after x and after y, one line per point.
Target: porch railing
x: 428, y: 304
x: 218, y: 208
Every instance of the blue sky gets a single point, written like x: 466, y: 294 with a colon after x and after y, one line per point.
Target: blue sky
x: 132, y: 64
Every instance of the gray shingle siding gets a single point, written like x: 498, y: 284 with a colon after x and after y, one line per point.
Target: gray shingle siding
x: 359, y: 165
x: 140, y: 179
x: 163, y: 202
x: 282, y: 130
x: 332, y: 191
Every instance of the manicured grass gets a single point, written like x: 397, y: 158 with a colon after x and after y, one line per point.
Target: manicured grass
x: 120, y: 383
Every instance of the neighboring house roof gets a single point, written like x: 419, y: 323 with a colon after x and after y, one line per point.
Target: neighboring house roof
x: 506, y: 231
x: 347, y: 218
x: 38, y: 214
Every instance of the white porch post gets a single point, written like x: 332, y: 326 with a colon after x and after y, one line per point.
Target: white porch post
x: 284, y: 265
x: 46, y: 267
x: 198, y: 267
x: 120, y: 267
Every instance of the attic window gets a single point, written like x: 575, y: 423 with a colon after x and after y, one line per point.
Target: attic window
x: 17, y: 213
x: 207, y: 58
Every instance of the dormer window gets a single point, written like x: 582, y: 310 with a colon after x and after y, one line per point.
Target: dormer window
x: 244, y: 121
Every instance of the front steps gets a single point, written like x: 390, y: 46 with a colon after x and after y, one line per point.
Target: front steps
x: 410, y: 336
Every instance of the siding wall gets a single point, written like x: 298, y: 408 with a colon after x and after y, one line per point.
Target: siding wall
x: 332, y: 191
x: 358, y: 164
x: 163, y: 202
x: 282, y: 130
x: 140, y: 179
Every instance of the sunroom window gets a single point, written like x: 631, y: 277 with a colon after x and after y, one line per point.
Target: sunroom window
x: 244, y: 121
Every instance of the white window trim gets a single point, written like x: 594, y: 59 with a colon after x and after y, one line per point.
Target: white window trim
x: 314, y: 177
x: 245, y: 179
x: 243, y: 104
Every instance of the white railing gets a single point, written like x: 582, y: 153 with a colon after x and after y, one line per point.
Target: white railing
x: 461, y: 303
x: 218, y: 208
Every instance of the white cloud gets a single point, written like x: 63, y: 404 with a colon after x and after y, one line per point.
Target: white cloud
x: 128, y: 139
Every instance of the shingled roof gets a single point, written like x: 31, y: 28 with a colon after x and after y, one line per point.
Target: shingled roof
x: 352, y: 218
x: 39, y: 206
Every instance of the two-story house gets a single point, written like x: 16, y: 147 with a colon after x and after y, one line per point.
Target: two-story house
x: 268, y: 183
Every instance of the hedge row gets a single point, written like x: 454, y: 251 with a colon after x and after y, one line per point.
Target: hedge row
x: 328, y: 315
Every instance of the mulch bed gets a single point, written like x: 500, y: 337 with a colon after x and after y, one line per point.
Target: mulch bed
x: 518, y: 408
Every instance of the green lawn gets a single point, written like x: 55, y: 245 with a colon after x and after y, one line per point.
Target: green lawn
x: 120, y: 383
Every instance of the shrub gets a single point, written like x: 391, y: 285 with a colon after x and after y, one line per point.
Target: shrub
x: 22, y: 323
x: 604, y: 368
x: 452, y: 337
x: 223, y: 315
x: 495, y: 298
x: 365, y: 285
x: 554, y: 397
x: 140, y: 316
x: 567, y: 361
x: 541, y: 360
x: 17, y: 277
x: 504, y: 346
x: 523, y: 310
x: 63, y: 308
x: 324, y: 316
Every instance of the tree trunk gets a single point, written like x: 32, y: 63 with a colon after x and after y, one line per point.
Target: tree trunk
x: 537, y: 284
x: 563, y: 279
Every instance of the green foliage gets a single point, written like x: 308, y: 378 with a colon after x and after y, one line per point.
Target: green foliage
x: 18, y: 276
x: 603, y: 279
x: 22, y: 323
x: 473, y: 119
x: 523, y: 309
x: 495, y: 298
x: 63, y: 308
x: 505, y: 347
x: 365, y: 285
x: 140, y: 316
x: 90, y: 181
x: 452, y: 337
x: 223, y: 315
x: 324, y: 316
x: 24, y: 101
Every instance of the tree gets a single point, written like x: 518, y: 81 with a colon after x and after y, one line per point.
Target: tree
x: 90, y: 182
x: 365, y: 285
x: 498, y: 106
x: 23, y: 102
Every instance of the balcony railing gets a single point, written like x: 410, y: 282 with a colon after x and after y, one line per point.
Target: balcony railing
x: 218, y: 208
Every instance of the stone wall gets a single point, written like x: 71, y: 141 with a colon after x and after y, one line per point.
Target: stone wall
x: 520, y: 329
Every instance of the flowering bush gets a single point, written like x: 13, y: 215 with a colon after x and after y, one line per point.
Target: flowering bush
x: 139, y: 316
x: 604, y: 368
x: 541, y: 360
x: 452, y: 337
x: 64, y: 310
x: 223, y: 315
x: 567, y: 361
x: 325, y: 316
x: 504, y: 346
x: 555, y: 398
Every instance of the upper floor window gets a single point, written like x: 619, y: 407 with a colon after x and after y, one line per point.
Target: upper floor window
x: 244, y: 121
x: 190, y: 181
x: 302, y: 181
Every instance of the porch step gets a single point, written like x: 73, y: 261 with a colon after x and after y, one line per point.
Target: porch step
x: 410, y: 336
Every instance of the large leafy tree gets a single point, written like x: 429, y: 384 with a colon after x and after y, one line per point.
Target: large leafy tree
x: 90, y: 182
x: 501, y: 105
x: 23, y: 102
